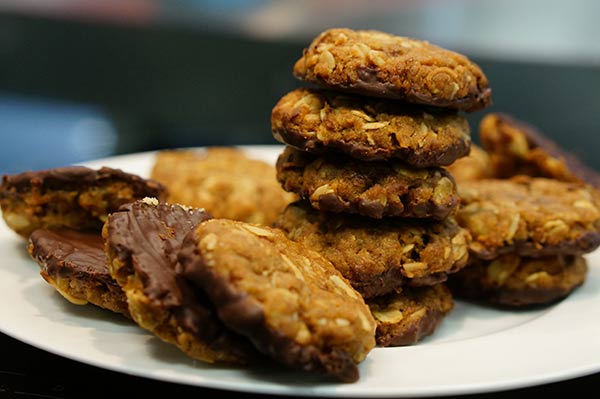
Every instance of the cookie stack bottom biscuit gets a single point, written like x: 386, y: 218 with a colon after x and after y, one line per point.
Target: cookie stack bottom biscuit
x: 366, y: 155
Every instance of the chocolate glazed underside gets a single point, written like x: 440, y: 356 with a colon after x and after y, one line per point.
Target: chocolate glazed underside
x: 420, y: 159
x: 370, y: 85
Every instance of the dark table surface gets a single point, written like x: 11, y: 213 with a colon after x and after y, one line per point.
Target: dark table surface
x: 28, y: 372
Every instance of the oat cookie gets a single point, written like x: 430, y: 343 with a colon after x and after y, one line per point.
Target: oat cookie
x: 142, y: 242
x: 530, y: 216
x: 224, y: 181
x: 288, y: 300
x: 369, y: 129
x: 379, y: 64
x: 75, y: 197
x: 337, y: 183
x: 74, y: 263
x: 516, y: 147
x: 475, y: 166
x: 380, y: 257
x: 406, y: 317
x: 512, y: 280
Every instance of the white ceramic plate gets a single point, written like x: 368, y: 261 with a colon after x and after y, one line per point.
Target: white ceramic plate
x: 475, y: 350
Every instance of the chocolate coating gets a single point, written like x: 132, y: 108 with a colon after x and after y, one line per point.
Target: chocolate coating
x: 146, y: 238
x: 67, y: 252
x: 149, y: 236
x: 73, y: 177
x: 75, y: 264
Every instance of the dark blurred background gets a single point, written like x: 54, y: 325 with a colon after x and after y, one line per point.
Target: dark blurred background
x: 83, y: 79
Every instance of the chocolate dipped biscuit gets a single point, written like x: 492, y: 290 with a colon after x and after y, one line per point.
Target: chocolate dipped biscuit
x: 74, y: 197
x: 142, y: 242
x: 369, y: 129
x: 74, y: 263
x: 340, y: 184
x: 378, y: 64
x: 288, y: 300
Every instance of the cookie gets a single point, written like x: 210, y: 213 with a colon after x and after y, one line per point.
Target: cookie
x: 224, y: 181
x: 530, y: 216
x: 512, y: 280
x: 369, y: 129
x: 288, y: 300
x: 337, y: 183
x: 379, y: 64
x: 379, y: 257
x: 74, y: 263
x: 475, y: 166
x: 406, y: 317
x: 74, y: 197
x: 516, y: 147
x: 142, y: 242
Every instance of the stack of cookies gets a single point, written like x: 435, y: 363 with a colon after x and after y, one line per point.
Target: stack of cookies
x: 366, y: 148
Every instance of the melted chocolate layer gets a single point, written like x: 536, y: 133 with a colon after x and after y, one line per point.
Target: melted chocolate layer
x: 148, y: 237
x: 74, y: 177
x: 70, y: 253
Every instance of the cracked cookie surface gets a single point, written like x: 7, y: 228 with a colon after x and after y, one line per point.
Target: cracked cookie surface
x: 379, y: 64
x: 369, y: 129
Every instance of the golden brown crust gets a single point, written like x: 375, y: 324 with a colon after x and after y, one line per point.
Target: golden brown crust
x: 337, y: 183
x: 378, y: 258
x: 475, y: 166
x: 512, y: 280
x: 369, y: 129
x: 224, y: 181
x: 379, y: 64
x: 532, y: 216
x: 288, y: 300
x: 515, y: 147
x: 406, y: 317
x: 80, y: 291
